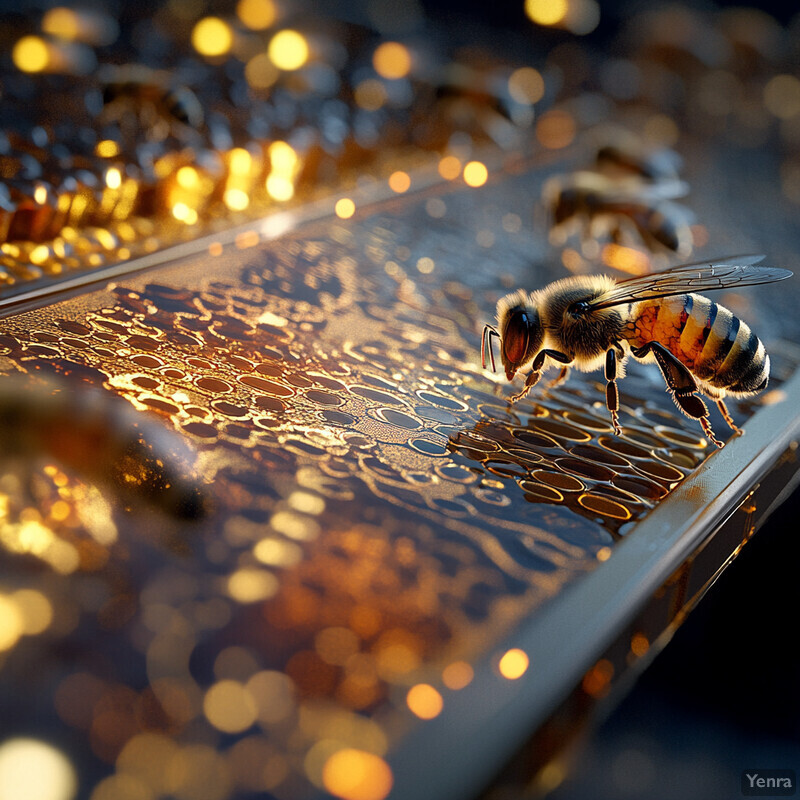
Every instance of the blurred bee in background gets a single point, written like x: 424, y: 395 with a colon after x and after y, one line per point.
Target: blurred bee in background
x: 140, y: 99
x: 591, y: 322
x: 624, y: 211
x: 622, y: 154
x: 634, y: 160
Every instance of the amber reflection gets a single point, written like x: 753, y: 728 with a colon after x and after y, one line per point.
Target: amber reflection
x: 562, y: 452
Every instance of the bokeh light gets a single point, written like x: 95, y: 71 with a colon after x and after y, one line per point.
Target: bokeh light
x: 31, y: 54
x: 424, y: 701
x: 288, y: 50
x: 62, y: 22
x: 212, y: 36
x: 357, y: 775
x: 449, y: 167
x: 392, y: 60
x: 399, y: 181
x: 546, y: 12
x: 34, y: 770
x: 258, y: 15
x: 513, y: 664
x: 230, y: 707
x: 475, y: 173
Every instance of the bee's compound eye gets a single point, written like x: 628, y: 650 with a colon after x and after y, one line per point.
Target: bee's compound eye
x: 516, y: 337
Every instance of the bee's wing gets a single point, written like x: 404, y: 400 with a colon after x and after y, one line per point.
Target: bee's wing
x: 697, y: 277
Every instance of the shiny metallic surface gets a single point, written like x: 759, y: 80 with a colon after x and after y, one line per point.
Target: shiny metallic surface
x: 267, y: 523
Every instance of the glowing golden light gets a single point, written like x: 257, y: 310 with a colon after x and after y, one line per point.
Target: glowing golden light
x: 229, y: 707
x: 276, y: 552
x: 34, y: 770
x: 424, y: 701
x: 604, y: 553
x: 212, y: 36
x: 236, y: 199
x: 391, y: 60
x: 187, y: 177
x: 344, y: 208
x: 288, y: 49
x: 40, y: 195
x: 107, y: 148
x: 250, y: 585
x: 284, y: 165
x: 450, y: 168
x: 113, y: 178
x: 240, y: 162
x: 276, y: 321
x: 357, y: 775
x: 280, y: 188
x: 61, y: 22
x: 35, y: 609
x: 457, y: 675
x: 526, y: 85
x: 184, y: 213
x: 105, y: 238
x: 556, y: 129
x: 306, y: 502
x: 399, y: 182
x: 513, y: 664
x: 546, y: 12
x: 625, y: 259
x: 397, y: 652
x: 31, y: 536
x: 296, y: 526
x: 475, y: 173
x: 31, y: 54
x: 282, y: 156
x: 782, y: 96
x: 256, y: 14
x: 12, y: 625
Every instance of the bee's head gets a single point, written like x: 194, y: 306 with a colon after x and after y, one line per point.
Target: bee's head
x: 520, y: 331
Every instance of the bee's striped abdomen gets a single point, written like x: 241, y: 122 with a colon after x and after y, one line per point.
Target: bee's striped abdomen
x: 718, y: 347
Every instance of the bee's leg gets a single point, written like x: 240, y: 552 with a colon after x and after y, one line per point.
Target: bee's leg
x: 530, y: 382
x: 536, y: 371
x: 726, y: 415
x: 560, y: 378
x: 681, y: 384
x: 612, y: 393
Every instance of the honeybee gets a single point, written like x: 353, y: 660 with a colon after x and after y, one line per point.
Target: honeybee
x: 597, y: 205
x: 590, y: 322
x: 136, y: 94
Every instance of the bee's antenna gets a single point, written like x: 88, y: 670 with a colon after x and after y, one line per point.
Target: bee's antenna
x: 486, y: 339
